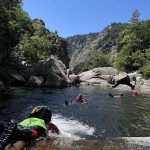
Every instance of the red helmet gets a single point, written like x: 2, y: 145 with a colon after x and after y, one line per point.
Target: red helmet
x: 80, y: 94
x: 135, y: 93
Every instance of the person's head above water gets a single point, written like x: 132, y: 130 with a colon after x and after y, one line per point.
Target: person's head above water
x: 121, y: 94
x: 134, y: 93
x: 80, y: 95
x: 41, y: 112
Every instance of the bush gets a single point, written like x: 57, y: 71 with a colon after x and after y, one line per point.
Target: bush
x: 96, y: 59
x: 146, y: 71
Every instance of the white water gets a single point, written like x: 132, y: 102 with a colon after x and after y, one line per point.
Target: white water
x: 145, y: 141
x: 72, y: 128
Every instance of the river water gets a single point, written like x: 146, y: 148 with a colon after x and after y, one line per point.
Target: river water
x: 102, y: 116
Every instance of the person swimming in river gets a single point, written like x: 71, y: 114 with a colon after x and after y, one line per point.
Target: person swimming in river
x: 134, y: 93
x: 79, y: 99
x: 119, y: 95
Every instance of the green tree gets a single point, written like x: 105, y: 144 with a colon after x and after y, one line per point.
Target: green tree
x: 135, y: 16
x: 96, y: 59
x: 40, y: 44
x: 134, y: 44
x: 14, y: 22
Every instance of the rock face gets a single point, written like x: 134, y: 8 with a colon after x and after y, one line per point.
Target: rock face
x: 97, y: 75
x: 17, y: 80
x: 34, y: 81
x: 124, y: 143
x: 109, y: 77
x: 62, y: 52
x: 74, y: 79
x: 52, y: 70
x: 80, y: 46
x: 145, y: 87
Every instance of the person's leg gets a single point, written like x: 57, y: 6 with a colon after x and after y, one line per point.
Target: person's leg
x: 19, y: 145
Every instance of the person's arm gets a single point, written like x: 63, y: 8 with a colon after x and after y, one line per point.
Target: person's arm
x: 52, y: 127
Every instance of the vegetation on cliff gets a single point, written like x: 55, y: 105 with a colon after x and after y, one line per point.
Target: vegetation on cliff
x: 96, y: 59
x: 129, y: 45
x: 25, y: 39
x: 135, y: 48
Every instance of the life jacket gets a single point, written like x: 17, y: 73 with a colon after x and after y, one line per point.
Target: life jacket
x: 30, y: 122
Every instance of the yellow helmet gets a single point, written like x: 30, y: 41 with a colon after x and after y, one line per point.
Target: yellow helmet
x: 42, y: 112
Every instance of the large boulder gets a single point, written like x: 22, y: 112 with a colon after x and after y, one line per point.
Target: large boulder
x: 17, y: 80
x: 101, y: 73
x: 2, y: 88
x: 97, y: 76
x: 52, y: 70
x: 34, y: 81
x: 74, y: 79
x: 123, y: 78
x: 105, y: 71
x: 55, y: 80
x: 145, y: 87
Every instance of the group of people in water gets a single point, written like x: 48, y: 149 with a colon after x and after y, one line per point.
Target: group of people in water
x: 38, y: 124
x: 121, y: 94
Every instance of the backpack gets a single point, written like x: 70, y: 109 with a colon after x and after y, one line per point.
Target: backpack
x: 41, y: 112
x: 7, y: 133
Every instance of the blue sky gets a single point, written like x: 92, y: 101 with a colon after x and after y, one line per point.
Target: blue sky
x: 72, y: 17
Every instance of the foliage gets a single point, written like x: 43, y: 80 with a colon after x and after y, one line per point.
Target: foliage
x: 134, y: 43
x: 146, y: 67
x: 25, y: 39
x: 14, y: 23
x: 40, y: 45
x: 135, y: 16
x: 146, y: 70
x: 96, y: 59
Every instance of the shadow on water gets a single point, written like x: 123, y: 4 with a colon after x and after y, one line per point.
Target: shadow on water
x: 109, y: 117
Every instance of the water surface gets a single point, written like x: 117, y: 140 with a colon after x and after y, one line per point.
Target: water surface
x: 101, y: 117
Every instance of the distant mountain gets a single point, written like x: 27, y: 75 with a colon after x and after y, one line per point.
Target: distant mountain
x: 80, y: 46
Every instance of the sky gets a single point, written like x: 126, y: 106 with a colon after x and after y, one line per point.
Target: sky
x: 72, y: 17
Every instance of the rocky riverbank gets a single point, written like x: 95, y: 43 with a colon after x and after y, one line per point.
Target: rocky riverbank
x: 129, y: 143
x: 109, y: 77
x: 53, y: 73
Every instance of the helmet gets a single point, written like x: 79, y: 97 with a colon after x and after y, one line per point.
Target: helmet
x: 134, y: 93
x: 80, y: 94
x: 42, y: 112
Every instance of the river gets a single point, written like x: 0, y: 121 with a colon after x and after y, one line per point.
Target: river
x: 102, y: 116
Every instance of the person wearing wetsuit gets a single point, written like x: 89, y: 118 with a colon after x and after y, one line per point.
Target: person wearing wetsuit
x: 134, y: 93
x: 119, y: 95
x: 33, y: 127
x: 79, y: 98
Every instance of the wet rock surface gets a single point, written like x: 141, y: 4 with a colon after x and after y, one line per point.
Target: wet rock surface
x: 137, y: 143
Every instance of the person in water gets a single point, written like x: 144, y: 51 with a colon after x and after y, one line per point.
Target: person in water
x: 119, y: 95
x: 35, y: 126
x: 79, y: 98
x: 134, y: 93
